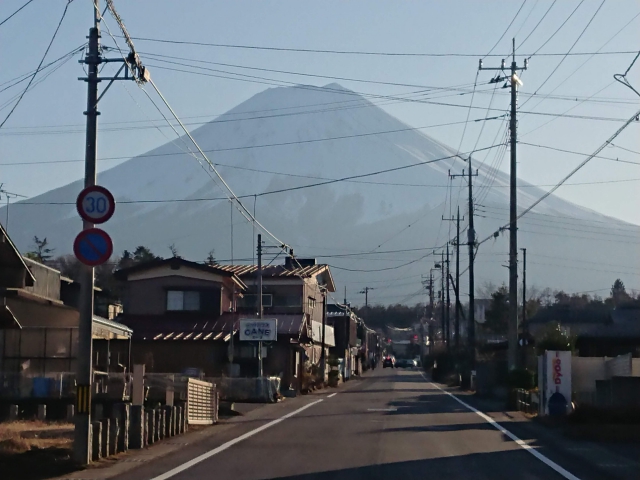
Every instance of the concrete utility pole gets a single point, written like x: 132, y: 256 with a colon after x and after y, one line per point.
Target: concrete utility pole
x: 443, y: 317
x: 365, y: 290
x: 323, y: 355
x: 259, y: 299
x: 448, y: 303
x: 457, y: 285
x: 513, y: 209
x: 84, y: 376
x: 524, y: 307
x: 471, y: 243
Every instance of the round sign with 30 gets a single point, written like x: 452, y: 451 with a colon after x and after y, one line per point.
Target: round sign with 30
x: 95, y: 204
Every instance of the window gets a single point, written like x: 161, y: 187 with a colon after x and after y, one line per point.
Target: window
x: 183, y: 300
x: 311, y: 303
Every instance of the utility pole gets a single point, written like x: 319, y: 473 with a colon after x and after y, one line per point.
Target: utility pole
x: 323, y: 355
x: 471, y: 243
x: 457, y: 285
x: 259, y: 299
x: 513, y: 209
x: 84, y: 376
x: 448, y: 304
x: 365, y: 290
x: 443, y: 318
x: 93, y: 60
x: 524, y: 307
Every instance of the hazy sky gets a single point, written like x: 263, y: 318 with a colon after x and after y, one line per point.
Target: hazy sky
x: 52, y: 111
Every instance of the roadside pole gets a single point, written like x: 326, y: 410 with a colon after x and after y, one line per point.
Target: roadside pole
x: 84, y: 375
x: 259, y: 298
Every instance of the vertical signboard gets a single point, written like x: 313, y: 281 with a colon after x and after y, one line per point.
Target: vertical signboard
x: 557, y: 382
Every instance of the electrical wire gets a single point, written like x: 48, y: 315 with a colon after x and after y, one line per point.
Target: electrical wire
x: 564, y: 81
x: 580, y: 153
x: 506, y: 29
x: 556, y: 32
x: 564, y: 57
x: 14, y: 13
x: 280, y: 144
x: 359, y: 52
x: 537, y: 24
x: 55, y: 33
x: 22, y: 78
x: 559, y: 184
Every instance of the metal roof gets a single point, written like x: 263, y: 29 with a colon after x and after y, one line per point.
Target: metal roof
x: 282, y: 271
x: 159, y: 327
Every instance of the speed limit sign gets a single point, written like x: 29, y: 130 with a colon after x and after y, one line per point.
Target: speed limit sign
x: 95, y: 204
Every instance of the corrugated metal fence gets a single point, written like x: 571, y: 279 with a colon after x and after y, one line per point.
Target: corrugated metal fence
x: 202, y: 402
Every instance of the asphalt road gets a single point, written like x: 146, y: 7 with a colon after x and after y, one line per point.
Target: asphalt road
x: 392, y: 425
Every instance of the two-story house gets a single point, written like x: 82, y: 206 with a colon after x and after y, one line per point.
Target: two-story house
x: 295, y: 294
x: 175, y: 308
x: 345, y: 324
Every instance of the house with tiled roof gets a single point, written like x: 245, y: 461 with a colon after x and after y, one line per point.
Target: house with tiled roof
x: 186, y: 316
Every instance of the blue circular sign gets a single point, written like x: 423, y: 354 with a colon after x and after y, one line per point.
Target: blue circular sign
x: 93, y: 247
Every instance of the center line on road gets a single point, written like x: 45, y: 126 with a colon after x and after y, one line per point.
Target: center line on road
x: 566, y: 474
x: 230, y: 443
x: 332, y: 395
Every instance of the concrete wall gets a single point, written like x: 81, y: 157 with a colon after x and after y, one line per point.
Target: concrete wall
x: 585, y: 371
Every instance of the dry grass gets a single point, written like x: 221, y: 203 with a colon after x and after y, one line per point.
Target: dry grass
x: 21, y: 436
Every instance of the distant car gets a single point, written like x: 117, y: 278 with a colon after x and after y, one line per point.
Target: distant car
x: 389, y: 361
x: 418, y: 361
x: 405, y: 363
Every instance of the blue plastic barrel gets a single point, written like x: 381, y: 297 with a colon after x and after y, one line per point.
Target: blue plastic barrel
x: 41, y: 387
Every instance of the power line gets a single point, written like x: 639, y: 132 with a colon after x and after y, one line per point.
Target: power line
x: 559, y: 184
x: 537, y: 24
x: 358, y: 52
x: 21, y: 78
x: 547, y: 96
x: 14, y: 13
x: 556, y: 32
x: 580, y: 153
x: 280, y: 144
x: 506, y: 29
x: 55, y: 33
x: 570, y: 49
x: 625, y: 149
x: 389, y: 97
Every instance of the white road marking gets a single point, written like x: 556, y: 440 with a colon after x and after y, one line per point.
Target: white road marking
x: 382, y: 409
x: 566, y: 474
x: 332, y: 395
x: 230, y: 443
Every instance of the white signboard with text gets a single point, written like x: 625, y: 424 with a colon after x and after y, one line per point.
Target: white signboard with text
x: 557, y: 378
x: 265, y: 330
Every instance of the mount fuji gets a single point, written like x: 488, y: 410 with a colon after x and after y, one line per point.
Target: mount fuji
x: 375, y: 230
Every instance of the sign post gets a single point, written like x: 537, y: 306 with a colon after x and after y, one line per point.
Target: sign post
x: 261, y: 330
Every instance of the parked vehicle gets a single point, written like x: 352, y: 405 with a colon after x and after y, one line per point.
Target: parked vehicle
x: 389, y: 361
